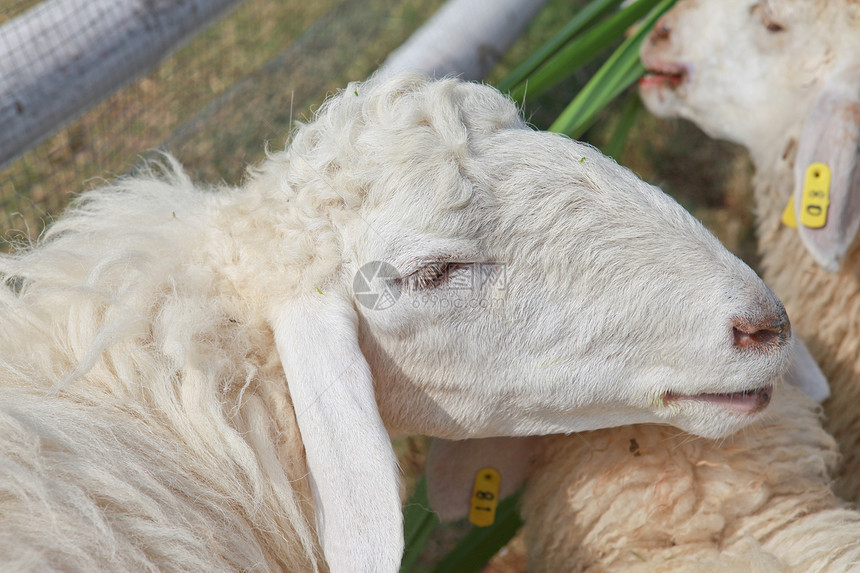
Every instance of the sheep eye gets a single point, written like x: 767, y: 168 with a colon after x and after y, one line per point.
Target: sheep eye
x: 766, y: 14
x: 429, y: 276
x: 774, y: 27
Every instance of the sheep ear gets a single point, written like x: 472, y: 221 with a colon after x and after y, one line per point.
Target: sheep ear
x: 830, y: 136
x: 452, y: 466
x: 353, y: 471
x: 805, y: 374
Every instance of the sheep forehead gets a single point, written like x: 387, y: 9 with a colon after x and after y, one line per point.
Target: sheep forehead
x: 451, y: 163
x: 553, y: 194
x: 732, y: 34
x: 406, y: 134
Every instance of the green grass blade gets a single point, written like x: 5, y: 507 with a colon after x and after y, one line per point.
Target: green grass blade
x: 583, y: 19
x: 593, y: 101
x: 583, y: 49
x: 481, y: 543
x: 615, y: 146
x: 419, y: 522
x: 620, y: 70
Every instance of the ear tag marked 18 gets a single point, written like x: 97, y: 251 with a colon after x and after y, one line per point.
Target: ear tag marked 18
x: 816, y: 196
x: 485, y: 497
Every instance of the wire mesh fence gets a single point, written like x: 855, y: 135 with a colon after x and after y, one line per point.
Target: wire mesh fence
x: 214, y: 103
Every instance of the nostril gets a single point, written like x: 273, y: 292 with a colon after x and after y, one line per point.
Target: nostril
x: 660, y: 33
x: 757, y: 339
x: 761, y: 334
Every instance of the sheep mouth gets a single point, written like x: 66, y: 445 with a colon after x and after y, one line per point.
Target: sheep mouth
x: 670, y: 75
x: 746, y: 402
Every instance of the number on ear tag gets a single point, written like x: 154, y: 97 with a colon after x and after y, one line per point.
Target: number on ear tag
x: 485, y: 497
x: 816, y: 196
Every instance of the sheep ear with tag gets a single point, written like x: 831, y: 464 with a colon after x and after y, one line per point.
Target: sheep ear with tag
x: 453, y: 465
x: 828, y: 212
x: 353, y: 469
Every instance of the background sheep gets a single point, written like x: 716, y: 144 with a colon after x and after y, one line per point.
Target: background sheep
x: 147, y: 419
x: 782, y: 78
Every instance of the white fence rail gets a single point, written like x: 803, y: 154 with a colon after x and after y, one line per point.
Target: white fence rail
x: 464, y: 38
x: 63, y: 56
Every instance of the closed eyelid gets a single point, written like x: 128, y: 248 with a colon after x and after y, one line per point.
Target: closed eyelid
x: 411, y: 265
x: 427, y: 276
x: 432, y: 275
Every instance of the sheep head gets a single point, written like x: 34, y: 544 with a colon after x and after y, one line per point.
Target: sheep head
x: 781, y: 77
x: 492, y: 280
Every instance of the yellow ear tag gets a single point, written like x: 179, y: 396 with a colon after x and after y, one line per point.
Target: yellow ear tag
x: 816, y: 196
x: 788, y: 217
x: 485, y: 497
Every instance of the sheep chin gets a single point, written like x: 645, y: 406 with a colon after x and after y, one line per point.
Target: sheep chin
x: 716, y: 415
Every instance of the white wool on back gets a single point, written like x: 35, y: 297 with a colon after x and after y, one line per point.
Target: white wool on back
x: 167, y: 438
x: 647, y: 498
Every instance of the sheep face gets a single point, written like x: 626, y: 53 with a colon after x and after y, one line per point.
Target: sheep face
x: 520, y: 283
x: 781, y: 77
x: 566, y: 294
x: 743, y: 70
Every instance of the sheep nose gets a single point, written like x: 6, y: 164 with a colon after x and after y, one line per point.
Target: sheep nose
x: 766, y: 332
x: 661, y: 32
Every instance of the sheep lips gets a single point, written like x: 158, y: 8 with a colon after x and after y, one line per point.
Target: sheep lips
x: 746, y: 402
x: 663, y: 75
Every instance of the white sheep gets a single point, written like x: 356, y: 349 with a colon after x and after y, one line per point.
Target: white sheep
x: 782, y: 78
x: 206, y: 380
